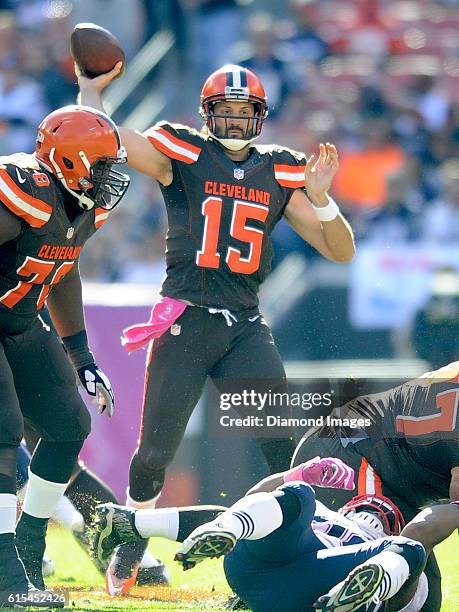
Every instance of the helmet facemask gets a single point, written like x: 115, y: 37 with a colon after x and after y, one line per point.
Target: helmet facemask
x: 105, y: 186
x: 254, y: 122
x: 375, y: 514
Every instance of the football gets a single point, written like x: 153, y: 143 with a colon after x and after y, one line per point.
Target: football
x: 95, y: 50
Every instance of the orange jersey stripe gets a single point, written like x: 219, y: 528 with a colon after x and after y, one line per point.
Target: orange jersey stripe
x: 173, y: 147
x: 289, y: 168
x: 289, y: 176
x: 101, y: 216
x: 362, y: 478
x: 291, y: 184
x: 369, y: 482
x: 33, y: 210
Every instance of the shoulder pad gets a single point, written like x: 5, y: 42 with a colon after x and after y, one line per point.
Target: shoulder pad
x: 177, y: 141
x: 21, y: 178
x: 289, y: 165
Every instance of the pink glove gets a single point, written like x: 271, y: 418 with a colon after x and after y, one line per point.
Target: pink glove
x: 327, y: 472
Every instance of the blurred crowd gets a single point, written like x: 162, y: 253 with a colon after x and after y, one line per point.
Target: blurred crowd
x: 379, y: 78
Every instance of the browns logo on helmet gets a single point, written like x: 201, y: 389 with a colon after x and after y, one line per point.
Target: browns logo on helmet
x: 79, y: 145
x: 377, y: 515
x: 237, y: 84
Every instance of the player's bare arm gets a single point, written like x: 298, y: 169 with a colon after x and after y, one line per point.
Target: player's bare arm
x: 142, y: 155
x: 454, y: 486
x: 10, y: 226
x: 430, y: 527
x: 65, y: 304
x: 333, y: 239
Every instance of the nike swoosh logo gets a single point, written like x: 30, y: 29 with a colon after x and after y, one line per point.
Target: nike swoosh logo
x: 21, y: 179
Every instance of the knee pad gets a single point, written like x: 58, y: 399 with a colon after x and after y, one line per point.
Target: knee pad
x: 412, y: 551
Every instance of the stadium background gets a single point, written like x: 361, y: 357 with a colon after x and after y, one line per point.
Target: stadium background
x: 379, y: 79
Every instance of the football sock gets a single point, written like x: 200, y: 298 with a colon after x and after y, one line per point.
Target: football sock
x: 144, y: 483
x: 8, y: 505
x: 162, y: 523
x: 396, y: 572
x: 42, y: 496
x: 86, y: 491
x: 192, y: 517
x: 252, y: 517
x: 67, y: 515
x: 148, y: 504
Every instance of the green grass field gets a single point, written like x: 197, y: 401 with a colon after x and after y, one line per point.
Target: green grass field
x: 203, y: 588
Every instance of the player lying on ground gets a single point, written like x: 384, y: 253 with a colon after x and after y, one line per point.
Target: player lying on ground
x: 224, y: 195
x: 286, y: 551
x: 410, y: 453
x: 51, y: 202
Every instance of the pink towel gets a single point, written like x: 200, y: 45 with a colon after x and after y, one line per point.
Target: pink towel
x: 163, y: 314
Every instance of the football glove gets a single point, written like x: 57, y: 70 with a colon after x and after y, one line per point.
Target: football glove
x: 98, y: 386
x: 323, y: 472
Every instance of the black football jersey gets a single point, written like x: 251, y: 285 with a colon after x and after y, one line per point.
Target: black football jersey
x: 420, y: 416
x: 48, y: 245
x: 221, y: 214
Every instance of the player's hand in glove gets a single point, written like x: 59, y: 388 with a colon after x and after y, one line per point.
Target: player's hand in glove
x: 323, y: 472
x: 97, y: 384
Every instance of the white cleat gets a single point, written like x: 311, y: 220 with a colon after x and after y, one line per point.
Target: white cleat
x: 357, y: 590
x: 208, y: 541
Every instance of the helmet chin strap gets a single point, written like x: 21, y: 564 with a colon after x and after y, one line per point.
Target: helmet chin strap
x: 233, y: 144
x: 83, y: 201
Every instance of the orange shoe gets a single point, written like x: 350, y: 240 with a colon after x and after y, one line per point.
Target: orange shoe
x: 122, y: 571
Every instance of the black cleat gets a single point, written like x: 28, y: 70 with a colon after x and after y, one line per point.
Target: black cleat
x: 156, y: 574
x: 31, y: 544
x: 15, y: 589
x: 84, y: 539
x: 122, y: 572
x: 113, y: 526
x: 234, y: 602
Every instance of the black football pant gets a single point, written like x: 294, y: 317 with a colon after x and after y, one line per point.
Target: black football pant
x: 178, y: 366
x: 38, y: 385
x: 361, y: 457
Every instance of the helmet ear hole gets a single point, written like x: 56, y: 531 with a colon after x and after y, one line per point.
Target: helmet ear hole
x: 68, y: 163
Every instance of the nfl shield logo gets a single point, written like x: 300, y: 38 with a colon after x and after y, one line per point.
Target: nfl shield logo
x: 238, y: 173
x: 70, y: 232
x: 176, y: 329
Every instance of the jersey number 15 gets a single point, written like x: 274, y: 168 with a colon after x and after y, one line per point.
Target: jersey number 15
x: 209, y: 257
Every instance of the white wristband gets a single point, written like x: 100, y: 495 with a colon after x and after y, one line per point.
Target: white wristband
x: 327, y: 213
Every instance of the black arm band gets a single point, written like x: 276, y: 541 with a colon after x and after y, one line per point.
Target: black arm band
x: 78, y: 350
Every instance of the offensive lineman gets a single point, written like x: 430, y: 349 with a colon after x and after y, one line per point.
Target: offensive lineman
x: 51, y: 202
x: 223, y: 197
x: 410, y: 453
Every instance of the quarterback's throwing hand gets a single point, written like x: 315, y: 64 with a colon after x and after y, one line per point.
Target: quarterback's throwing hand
x: 98, y: 386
